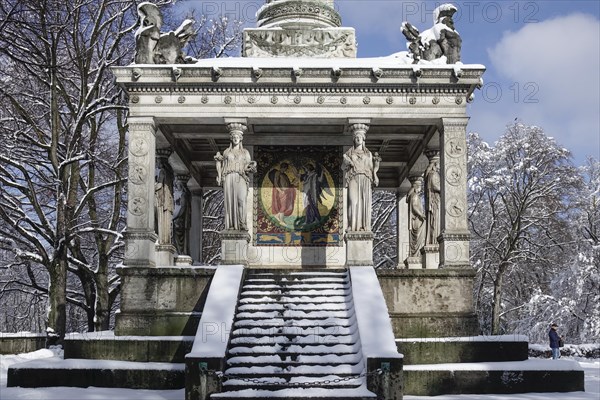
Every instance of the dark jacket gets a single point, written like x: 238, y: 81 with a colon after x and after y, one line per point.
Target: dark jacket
x: 553, y: 339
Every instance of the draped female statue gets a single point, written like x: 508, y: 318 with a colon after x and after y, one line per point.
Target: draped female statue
x: 233, y: 173
x: 416, y: 218
x: 361, y: 175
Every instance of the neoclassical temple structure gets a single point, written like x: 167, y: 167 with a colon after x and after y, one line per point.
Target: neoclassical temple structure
x: 298, y: 132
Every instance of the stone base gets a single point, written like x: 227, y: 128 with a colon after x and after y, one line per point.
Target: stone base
x: 156, y: 323
x: 359, y: 248
x: 161, y: 300
x: 165, y: 255
x: 309, y: 42
x: 183, y: 260
x: 234, y: 247
x: 414, y: 263
x: 462, y: 350
x: 99, y: 346
x: 431, y: 257
x: 427, y: 325
x: 25, y: 343
x: 430, y: 302
x: 435, y: 382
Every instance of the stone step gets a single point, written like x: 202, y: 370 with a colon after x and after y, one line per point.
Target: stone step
x: 286, y: 299
x: 296, y: 307
x: 325, y: 382
x: 308, y: 349
x: 303, y: 370
x: 297, y: 286
x: 286, y: 340
x: 295, y: 331
x: 99, y: 373
x: 360, y: 393
x: 295, y: 280
x: 332, y: 359
x: 296, y: 322
x: 493, y: 377
x: 294, y: 314
x: 107, y: 346
x: 294, y: 292
x: 252, y: 274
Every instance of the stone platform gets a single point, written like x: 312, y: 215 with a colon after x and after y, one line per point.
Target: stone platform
x: 482, y: 365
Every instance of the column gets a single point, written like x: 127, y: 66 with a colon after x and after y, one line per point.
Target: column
x: 402, y: 218
x: 164, y: 207
x: 431, y: 250
x: 454, y: 240
x: 196, y: 225
x: 140, y: 237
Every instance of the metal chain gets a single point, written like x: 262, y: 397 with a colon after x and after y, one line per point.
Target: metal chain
x: 378, y: 371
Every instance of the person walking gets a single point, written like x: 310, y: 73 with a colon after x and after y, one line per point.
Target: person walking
x: 554, y: 341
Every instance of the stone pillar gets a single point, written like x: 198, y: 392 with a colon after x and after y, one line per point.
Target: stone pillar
x: 196, y: 225
x: 431, y: 251
x: 454, y: 240
x: 402, y: 218
x: 182, y: 220
x: 164, y: 205
x: 140, y: 237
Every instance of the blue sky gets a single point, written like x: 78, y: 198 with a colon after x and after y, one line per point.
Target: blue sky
x: 542, y: 57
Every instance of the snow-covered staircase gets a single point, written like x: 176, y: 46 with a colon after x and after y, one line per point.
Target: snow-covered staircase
x: 295, y: 335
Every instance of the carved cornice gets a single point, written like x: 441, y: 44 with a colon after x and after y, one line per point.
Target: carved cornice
x: 293, y: 10
x: 234, y: 235
x: 454, y: 237
x: 140, y: 235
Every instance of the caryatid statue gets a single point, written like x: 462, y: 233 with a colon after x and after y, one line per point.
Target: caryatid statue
x: 163, y: 197
x: 416, y: 217
x: 234, y: 167
x: 361, y: 169
x: 182, y: 215
x: 432, y: 197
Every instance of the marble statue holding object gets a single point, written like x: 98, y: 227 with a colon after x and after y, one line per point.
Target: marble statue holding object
x: 360, y: 168
x: 441, y: 40
x: 234, y: 167
x: 433, y: 200
x: 416, y: 218
x: 154, y: 47
x: 163, y: 195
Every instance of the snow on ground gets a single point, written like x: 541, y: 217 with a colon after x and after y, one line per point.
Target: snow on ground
x: 590, y: 366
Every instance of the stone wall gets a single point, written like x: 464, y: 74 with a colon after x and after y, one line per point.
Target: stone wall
x: 430, y: 303
x: 159, y: 301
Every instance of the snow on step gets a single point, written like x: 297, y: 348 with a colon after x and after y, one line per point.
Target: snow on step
x: 296, y: 349
x: 293, y: 329
x: 296, y: 300
x: 293, y: 306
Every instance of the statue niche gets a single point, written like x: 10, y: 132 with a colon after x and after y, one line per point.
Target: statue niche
x: 154, y: 47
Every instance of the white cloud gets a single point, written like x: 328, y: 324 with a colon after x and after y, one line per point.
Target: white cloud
x: 562, y: 57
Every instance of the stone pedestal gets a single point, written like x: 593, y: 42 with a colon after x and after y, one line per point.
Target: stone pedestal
x: 161, y: 301
x: 430, y: 302
x: 359, y: 248
x: 183, y: 260
x: 431, y: 257
x: 165, y: 255
x: 414, y: 262
x: 234, y: 247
